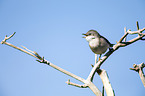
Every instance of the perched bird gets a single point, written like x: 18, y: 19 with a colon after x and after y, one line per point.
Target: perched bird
x: 97, y: 43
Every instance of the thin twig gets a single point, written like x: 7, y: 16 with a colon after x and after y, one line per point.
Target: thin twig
x: 6, y: 38
x: 76, y: 85
x: 123, y: 44
x: 137, y: 32
x: 126, y: 34
x: 123, y: 37
x: 137, y: 24
x: 21, y: 49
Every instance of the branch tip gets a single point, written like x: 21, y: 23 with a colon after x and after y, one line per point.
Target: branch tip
x: 76, y: 85
x: 6, y: 38
x: 124, y: 29
x: 139, y: 69
x: 125, y: 33
x: 33, y: 52
x: 137, y: 24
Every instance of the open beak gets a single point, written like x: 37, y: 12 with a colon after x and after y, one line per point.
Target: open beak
x: 84, y: 36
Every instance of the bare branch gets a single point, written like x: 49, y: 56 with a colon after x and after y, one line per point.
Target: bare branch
x: 105, y: 79
x: 95, y: 90
x: 42, y: 60
x: 124, y: 36
x: 88, y: 81
x: 32, y: 53
x: 137, y: 32
x: 6, y: 38
x: 62, y: 70
x: 139, y: 69
x: 21, y: 49
x: 140, y: 37
x: 100, y: 62
x: 76, y: 85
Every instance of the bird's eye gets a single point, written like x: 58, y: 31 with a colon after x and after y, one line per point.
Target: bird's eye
x: 89, y: 33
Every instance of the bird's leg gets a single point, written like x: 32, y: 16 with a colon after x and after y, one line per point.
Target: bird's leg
x: 96, y: 58
x: 100, y: 57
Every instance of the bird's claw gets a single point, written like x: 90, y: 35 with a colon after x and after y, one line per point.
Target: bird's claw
x: 99, y: 59
x: 111, y: 49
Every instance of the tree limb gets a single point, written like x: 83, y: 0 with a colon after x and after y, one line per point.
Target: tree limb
x: 89, y: 84
x: 105, y: 79
x: 139, y: 69
x: 88, y: 81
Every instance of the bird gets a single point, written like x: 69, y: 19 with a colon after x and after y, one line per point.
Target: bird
x: 97, y: 43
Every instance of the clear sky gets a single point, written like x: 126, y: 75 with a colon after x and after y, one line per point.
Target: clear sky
x: 54, y: 28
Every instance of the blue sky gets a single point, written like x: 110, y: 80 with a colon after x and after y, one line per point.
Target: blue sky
x: 54, y: 28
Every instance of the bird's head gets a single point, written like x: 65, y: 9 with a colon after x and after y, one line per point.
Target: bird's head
x: 91, y: 34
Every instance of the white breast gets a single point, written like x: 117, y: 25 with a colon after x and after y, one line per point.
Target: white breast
x: 98, y: 46
x: 90, y: 38
x: 94, y: 43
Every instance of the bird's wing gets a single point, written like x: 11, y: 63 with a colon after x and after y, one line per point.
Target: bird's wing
x: 111, y: 45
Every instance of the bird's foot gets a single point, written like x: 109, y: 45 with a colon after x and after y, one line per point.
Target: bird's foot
x: 99, y: 59
x: 111, y: 49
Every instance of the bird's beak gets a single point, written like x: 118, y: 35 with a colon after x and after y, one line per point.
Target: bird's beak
x: 84, y: 36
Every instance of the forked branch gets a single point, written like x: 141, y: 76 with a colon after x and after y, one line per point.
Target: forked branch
x: 107, y: 85
x: 139, y: 69
x: 77, y: 85
x: 88, y: 82
x: 7, y: 38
